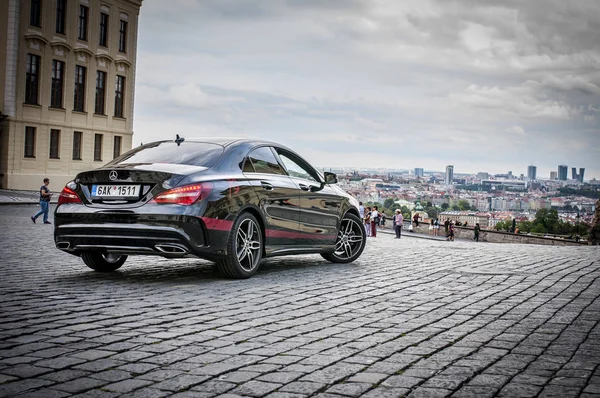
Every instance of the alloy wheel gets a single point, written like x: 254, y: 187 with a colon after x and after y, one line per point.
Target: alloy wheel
x: 350, y: 239
x: 248, y: 245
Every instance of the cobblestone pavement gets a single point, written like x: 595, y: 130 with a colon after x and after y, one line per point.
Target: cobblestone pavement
x: 411, y: 317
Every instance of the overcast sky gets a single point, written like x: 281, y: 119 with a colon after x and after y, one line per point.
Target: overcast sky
x: 485, y: 86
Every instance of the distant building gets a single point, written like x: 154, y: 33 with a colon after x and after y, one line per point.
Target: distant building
x: 449, y: 175
x: 562, y: 172
x: 531, y: 172
x: 469, y: 217
x: 67, y: 71
x: 419, y: 172
x: 575, y: 175
x: 553, y: 175
x: 506, y: 183
x: 483, y: 176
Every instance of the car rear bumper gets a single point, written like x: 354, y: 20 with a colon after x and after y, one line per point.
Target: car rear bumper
x: 167, y: 235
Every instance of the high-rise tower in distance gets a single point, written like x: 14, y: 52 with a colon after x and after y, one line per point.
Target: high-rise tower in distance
x: 562, y: 172
x: 532, y: 172
x: 449, y: 174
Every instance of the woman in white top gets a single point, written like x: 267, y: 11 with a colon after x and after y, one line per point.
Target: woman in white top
x: 374, y: 218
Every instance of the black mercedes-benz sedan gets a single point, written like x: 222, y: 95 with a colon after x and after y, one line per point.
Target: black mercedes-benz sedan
x: 231, y: 201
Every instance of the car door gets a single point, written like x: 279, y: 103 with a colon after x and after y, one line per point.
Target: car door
x: 278, y: 197
x: 319, y: 203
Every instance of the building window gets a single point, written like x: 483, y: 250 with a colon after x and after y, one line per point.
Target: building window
x: 123, y: 37
x: 103, y: 41
x: 77, y: 135
x: 79, y: 103
x: 32, y: 79
x: 61, y: 16
x: 54, y: 143
x: 98, y: 147
x: 100, y: 92
x: 35, y: 12
x: 56, y: 95
x: 117, y: 147
x: 83, y: 23
x: 119, y: 92
x: 29, y: 142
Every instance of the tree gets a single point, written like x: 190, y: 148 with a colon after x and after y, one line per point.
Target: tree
x: 463, y: 205
x: 444, y: 206
x: 547, y: 220
x: 525, y: 226
x: 455, y: 207
x: 388, y: 203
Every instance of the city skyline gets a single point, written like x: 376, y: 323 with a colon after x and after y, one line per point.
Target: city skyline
x: 483, y: 86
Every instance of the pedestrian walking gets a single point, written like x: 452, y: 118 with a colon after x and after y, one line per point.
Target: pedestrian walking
x: 451, y: 232
x: 436, y: 227
x: 446, y: 227
x: 476, y: 232
x: 416, y: 219
x: 45, y: 196
x: 398, y: 221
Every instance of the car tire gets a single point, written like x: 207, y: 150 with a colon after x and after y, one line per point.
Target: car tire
x: 102, y: 262
x: 244, y: 248
x: 350, y: 241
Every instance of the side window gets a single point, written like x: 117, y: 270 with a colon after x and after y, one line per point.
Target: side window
x: 295, y: 167
x: 248, y: 166
x: 263, y: 160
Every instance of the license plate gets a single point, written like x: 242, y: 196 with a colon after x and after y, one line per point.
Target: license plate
x: 116, y: 191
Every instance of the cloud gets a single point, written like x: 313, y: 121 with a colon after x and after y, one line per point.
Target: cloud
x: 378, y: 77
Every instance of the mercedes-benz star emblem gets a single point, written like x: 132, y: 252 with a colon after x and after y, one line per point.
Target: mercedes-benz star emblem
x: 113, y: 175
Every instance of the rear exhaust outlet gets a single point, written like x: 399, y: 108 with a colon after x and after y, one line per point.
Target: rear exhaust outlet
x: 63, y: 245
x: 169, y: 248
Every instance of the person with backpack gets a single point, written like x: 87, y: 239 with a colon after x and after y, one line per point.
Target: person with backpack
x: 375, y: 219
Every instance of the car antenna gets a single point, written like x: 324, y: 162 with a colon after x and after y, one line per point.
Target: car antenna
x: 178, y: 139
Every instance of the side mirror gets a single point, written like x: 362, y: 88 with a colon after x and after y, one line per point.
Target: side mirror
x: 330, y: 178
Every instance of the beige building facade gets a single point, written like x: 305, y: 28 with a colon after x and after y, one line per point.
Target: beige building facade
x: 67, y: 77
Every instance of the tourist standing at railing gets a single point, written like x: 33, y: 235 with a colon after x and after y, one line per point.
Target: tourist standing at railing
x: 375, y: 218
x: 476, y: 232
x: 398, y: 221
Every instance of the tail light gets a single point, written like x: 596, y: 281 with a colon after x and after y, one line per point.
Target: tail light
x: 68, y: 195
x: 186, y: 195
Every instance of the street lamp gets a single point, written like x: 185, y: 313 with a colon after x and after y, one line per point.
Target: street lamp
x: 577, y: 227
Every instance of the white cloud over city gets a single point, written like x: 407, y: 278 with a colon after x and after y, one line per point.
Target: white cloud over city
x: 485, y: 86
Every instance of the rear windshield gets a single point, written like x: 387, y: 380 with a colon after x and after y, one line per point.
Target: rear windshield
x: 191, y: 153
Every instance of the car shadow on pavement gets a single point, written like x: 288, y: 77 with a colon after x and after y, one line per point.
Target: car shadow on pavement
x: 146, y: 270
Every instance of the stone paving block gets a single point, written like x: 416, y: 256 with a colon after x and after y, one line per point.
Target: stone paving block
x: 349, y: 389
x: 127, y: 386
x: 302, y: 387
x: 45, y: 393
x: 181, y: 382
x: 255, y: 388
x: 214, y: 387
x: 80, y: 385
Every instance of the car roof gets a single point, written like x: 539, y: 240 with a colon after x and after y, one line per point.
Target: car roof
x: 228, y: 141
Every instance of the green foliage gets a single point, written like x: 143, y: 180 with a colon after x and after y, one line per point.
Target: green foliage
x: 589, y: 191
x: 388, y: 203
x: 455, y: 207
x: 525, y: 226
x: 504, y: 225
x: 464, y: 205
x: 444, y: 206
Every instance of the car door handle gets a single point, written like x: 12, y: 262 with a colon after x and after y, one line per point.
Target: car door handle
x: 304, y: 187
x: 266, y: 186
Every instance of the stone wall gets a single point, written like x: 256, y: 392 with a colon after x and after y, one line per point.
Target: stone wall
x: 498, y: 237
